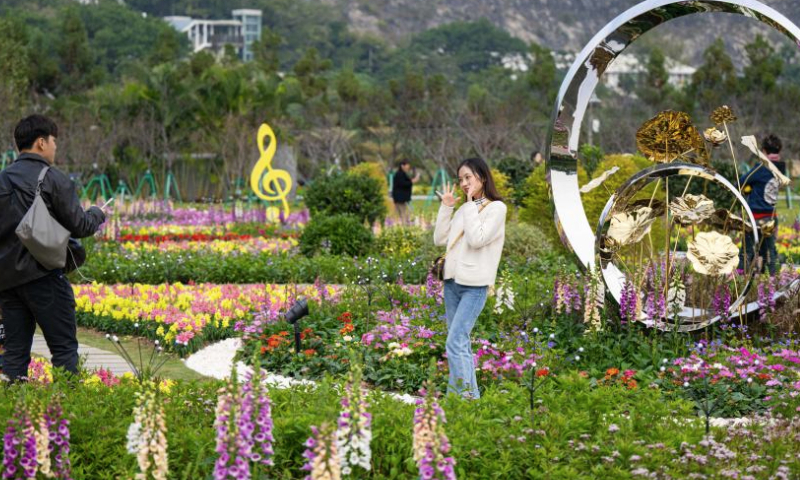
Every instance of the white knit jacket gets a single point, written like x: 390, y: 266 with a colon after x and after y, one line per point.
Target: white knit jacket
x: 474, y: 259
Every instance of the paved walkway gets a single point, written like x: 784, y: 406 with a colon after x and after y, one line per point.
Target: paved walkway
x: 95, y: 358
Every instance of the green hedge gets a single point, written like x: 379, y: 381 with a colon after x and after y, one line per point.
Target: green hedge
x: 109, y: 265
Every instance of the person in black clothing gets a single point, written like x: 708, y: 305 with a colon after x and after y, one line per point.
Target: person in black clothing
x: 401, y: 190
x: 30, y: 293
x: 761, y: 188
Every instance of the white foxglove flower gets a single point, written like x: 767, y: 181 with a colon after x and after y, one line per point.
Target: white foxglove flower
x: 134, y: 438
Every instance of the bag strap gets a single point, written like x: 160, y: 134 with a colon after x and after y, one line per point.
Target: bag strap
x: 41, y: 179
x: 480, y: 209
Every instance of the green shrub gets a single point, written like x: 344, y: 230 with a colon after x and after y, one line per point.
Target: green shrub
x: 590, y: 157
x: 525, y: 241
x: 347, y: 193
x: 516, y: 170
x: 536, y: 208
x: 504, y: 188
x: 401, y: 241
x: 336, y: 234
x: 375, y: 170
x: 110, y: 264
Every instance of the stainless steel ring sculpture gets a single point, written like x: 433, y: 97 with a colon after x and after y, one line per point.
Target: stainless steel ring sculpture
x: 573, y: 101
x: 581, y: 81
x: 689, y: 318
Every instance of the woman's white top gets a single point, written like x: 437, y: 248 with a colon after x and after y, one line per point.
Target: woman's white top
x: 473, y: 261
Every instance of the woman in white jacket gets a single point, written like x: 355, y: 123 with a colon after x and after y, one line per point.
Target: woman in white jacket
x: 474, y: 239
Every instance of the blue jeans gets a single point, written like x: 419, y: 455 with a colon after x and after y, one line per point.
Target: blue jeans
x: 462, y: 305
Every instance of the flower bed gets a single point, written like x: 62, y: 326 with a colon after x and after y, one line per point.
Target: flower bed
x: 243, y: 244
x: 575, y: 430
x: 788, y: 242
x: 184, y: 317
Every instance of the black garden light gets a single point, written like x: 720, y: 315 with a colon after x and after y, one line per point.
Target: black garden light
x: 293, y: 316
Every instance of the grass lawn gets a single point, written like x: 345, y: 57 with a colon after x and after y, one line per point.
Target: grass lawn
x: 174, y: 368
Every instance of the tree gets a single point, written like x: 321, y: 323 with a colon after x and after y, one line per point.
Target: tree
x: 542, y: 79
x: 655, y: 89
x: 310, y: 70
x: 168, y: 47
x: 715, y: 81
x: 74, y: 52
x: 764, y: 66
x: 14, y: 79
x: 267, y: 50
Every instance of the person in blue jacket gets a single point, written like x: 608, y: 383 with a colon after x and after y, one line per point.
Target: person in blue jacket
x: 762, y: 190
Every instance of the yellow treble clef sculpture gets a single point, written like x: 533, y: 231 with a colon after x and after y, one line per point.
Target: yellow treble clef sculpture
x: 268, y: 183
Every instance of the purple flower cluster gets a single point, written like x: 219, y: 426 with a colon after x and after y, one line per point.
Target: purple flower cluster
x: 321, y: 454
x: 211, y: 216
x: 431, y: 444
x: 721, y: 303
x: 260, y: 407
x: 19, y: 447
x: 435, y: 288
x: 244, y: 429
x: 655, y: 306
x: 628, y: 303
x: 58, y: 428
x: 398, y: 326
x: 766, y: 296
x: 233, y: 452
x: 566, y: 296
x: 503, y: 362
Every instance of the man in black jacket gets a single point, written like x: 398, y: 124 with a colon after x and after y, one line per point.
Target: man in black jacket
x: 401, y: 190
x: 29, y: 293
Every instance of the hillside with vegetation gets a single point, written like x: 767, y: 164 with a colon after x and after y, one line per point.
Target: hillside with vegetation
x: 129, y: 95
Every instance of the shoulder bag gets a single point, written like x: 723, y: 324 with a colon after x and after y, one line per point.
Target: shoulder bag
x: 42, y: 235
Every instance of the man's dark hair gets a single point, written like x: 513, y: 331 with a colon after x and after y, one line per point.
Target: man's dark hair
x: 31, y: 128
x: 403, y: 162
x: 771, y: 144
x: 482, y: 170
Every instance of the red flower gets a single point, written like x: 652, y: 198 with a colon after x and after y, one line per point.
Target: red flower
x: 263, y: 350
x: 310, y: 352
x: 542, y: 372
x: 347, y: 328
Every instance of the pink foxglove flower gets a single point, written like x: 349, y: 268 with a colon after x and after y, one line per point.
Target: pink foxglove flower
x: 431, y: 445
x: 322, y: 459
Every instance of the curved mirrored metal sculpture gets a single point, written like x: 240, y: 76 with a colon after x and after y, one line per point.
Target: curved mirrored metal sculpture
x: 687, y: 299
x: 563, y: 143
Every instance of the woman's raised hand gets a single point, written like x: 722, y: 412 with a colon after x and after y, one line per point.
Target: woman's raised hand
x: 448, y: 195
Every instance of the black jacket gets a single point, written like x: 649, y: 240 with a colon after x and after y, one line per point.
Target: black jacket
x: 401, y: 187
x: 17, y: 190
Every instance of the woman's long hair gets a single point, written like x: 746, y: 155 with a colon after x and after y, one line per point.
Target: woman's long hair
x: 482, y: 170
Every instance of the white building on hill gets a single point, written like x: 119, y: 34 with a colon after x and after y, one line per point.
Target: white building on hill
x: 241, y: 32
x: 629, y: 66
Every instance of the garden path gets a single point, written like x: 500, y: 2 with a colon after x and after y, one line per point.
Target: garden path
x: 95, y: 357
